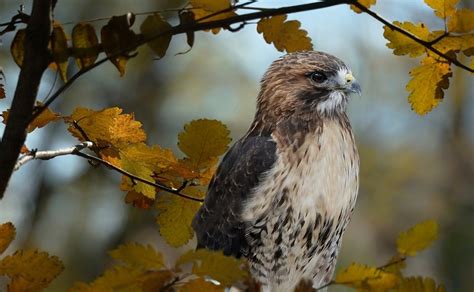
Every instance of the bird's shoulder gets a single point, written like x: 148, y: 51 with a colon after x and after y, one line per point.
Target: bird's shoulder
x: 218, y: 223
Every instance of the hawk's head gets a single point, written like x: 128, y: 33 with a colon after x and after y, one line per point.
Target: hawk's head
x: 307, y: 82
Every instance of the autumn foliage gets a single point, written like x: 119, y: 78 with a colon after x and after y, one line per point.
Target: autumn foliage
x: 174, y: 184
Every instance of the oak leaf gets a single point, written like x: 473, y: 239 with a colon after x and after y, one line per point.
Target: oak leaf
x: 219, y: 9
x: 33, y: 270
x: 85, y: 45
x: 17, y: 47
x: 203, y: 140
x: 7, y: 234
x: 139, y: 256
x: 155, y: 25
x: 417, y: 238
x: 117, y: 278
x: 60, y: 49
x: 361, y: 276
x: 118, y: 40
x: 462, y: 21
x: 365, y: 3
x: 40, y: 121
x: 285, y: 35
x: 416, y: 284
x: 174, y: 218
x: 427, y: 84
x: 403, y: 45
x: 226, y: 270
x: 106, y: 127
x: 443, y: 8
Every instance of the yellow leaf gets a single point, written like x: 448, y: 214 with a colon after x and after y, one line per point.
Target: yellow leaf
x: 138, y: 200
x: 43, y: 119
x: 140, y: 170
x: 60, y: 49
x: 152, y: 26
x: 139, y: 256
x: 361, y: 276
x: 462, y: 21
x: 403, y: 45
x: 40, y: 121
x: 464, y: 42
x: 285, y: 35
x: 117, y: 278
x: 7, y: 234
x: 174, y: 218
x: 417, y: 238
x: 204, y: 140
x: 365, y: 3
x: 226, y: 270
x: 17, y: 48
x: 427, y: 84
x: 36, y: 268
x: 106, y: 127
x: 118, y: 40
x: 200, y: 284
x: 85, y: 44
x: 443, y: 8
x: 419, y: 284
x: 204, y: 8
x: 154, y: 281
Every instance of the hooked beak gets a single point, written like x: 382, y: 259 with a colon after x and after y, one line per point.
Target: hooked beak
x: 352, y: 85
x: 355, y: 88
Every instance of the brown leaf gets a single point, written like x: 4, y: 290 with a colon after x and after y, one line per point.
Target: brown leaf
x: 7, y: 234
x: 155, y: 25
x: 85, y: 44
x: 17, y: 48
x: 138, y: 200
x: 60, y: 49
x: 118, y: 40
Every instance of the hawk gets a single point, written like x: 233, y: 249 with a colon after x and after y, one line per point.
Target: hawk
x: 284, y: 193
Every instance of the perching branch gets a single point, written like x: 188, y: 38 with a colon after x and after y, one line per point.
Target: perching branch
x: 76, y: 150
x: 46, y: 155
x: 36, y: 60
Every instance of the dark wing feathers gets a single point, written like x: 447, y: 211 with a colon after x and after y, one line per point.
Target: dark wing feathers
x: 217, y: 223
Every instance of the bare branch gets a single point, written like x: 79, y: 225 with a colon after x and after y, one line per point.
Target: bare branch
x: 76, y: 150
x: 46, y: 155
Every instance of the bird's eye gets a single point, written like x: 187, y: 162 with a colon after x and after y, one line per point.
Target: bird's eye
x: 318, y: 77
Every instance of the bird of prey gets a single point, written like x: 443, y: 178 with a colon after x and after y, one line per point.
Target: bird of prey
x: 284, y: 193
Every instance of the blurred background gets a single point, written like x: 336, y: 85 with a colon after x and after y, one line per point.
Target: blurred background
x: 412, y: 167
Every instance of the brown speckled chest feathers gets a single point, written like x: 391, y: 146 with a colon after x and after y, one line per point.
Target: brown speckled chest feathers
x: 283, y: 194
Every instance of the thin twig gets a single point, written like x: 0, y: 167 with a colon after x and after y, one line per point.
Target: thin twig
x: 137, y: 178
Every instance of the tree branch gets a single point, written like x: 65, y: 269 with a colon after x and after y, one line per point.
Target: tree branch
x: 46, y: 155
x: 428, y: 45
x: 35, y: 63
x: 76, y: 150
